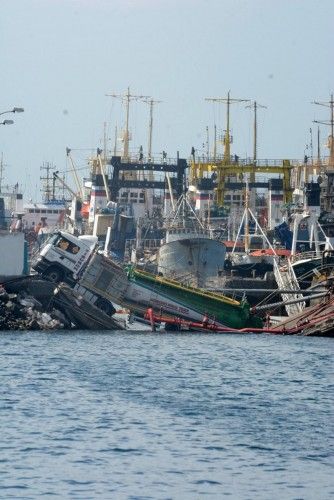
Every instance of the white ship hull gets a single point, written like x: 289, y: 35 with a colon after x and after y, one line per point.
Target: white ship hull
x: 195, y: 259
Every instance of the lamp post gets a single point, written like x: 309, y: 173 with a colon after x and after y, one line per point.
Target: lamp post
x: 7, y: 122
x: 14, y: 110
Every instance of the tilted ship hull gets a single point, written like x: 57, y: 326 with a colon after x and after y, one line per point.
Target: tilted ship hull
x: 139, y: 290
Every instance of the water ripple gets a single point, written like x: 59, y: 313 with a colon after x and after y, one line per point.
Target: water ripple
x: 168, y: 416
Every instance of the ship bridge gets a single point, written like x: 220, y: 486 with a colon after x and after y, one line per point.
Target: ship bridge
x: 135, y: 173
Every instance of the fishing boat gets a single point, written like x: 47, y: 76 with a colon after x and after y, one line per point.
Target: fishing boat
x: 137, y: 290
x: 177, y: 299
x: 189, y: 251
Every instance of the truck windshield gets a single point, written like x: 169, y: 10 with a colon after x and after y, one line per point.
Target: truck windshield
x: 66, y: 245
x: 51, y: 239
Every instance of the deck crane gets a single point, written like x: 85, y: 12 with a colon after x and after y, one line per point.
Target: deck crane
x: 75, y: 174
x: 56, y: 177
x: 103, y: 174
x: 77, y: 200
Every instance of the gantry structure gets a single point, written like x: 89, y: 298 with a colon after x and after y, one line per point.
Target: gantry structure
x: 230, y: 170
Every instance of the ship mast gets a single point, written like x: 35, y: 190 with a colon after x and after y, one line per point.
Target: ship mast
x: 47, y: 184
x: 115, y: 142
x: 330, y: 122
x: 151, y: 103
x: 255, y: 106
x: 105, y: 143
x: 246, y: 218
x: 127, y: 98
x: 215, y: 143
x: 250, y: 194
x: 227, y: 139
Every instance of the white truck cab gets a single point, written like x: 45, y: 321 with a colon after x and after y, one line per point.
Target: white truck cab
x: 62, y: 258
x: 63, y: 255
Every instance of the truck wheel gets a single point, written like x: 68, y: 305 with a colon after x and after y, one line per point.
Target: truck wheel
x: 54, y: 274
x: 105, y: 306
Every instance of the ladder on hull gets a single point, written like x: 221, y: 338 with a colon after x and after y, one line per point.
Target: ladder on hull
x: 287, y: 280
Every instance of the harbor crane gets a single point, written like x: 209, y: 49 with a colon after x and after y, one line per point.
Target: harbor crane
x: 227, y: 168
x: 56, y: 177
x: 330, y: 122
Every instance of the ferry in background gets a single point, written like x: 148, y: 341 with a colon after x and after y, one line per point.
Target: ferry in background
x: 14, y: 248
x: 46, y: 214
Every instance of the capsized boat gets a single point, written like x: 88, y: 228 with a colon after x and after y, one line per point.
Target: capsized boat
x: 137, y: 290
x: 193, y: 302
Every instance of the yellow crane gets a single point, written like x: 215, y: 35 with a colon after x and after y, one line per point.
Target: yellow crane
x: 227, y: 168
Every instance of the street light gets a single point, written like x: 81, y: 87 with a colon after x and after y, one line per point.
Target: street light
x: 14, y: 110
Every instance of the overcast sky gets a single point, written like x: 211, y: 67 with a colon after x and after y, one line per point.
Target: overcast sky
x: 60, y: 57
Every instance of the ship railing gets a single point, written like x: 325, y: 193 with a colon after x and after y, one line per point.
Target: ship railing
x: 147, y: 244
x: 286, y: 280
x: 135, y: 158
x: 176, y: 281
x: 262, y: 162
x: 303, y: 256
x: 265, y: 162
x: 187, y: 278
x: 203, y: 283
x: 179, y: 229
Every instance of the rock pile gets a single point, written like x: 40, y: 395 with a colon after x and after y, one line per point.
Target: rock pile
x: 35, y: 303
x: 19, y: 311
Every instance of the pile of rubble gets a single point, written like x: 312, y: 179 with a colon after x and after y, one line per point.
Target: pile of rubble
x: 20, y: 311
x: 35, y: 303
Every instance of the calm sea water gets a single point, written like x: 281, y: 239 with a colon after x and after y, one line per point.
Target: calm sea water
x: 158, y: 416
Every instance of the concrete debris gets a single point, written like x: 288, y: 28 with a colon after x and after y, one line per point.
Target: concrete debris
x: 19, y: 312
x: 33, y: 303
